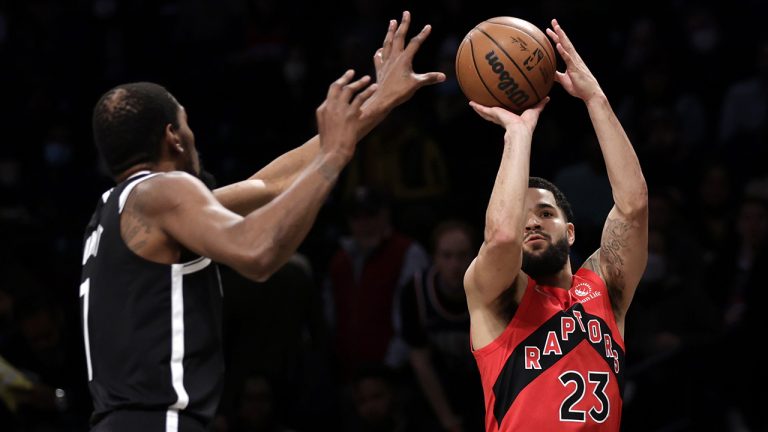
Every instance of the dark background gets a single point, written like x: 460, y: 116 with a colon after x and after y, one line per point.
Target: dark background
x: 250, y: 74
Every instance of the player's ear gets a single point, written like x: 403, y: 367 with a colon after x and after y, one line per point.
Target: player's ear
x: 571, y: 233
x: 172, y: 140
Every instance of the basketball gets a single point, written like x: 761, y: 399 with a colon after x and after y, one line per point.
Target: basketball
x: 506, y: 62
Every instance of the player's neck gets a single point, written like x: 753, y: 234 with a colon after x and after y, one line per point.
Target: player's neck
x: 133, y: 170
x: 160, y: 166
x: 561, y: 279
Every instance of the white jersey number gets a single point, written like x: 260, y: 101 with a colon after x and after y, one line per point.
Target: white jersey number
x: 92, y: 244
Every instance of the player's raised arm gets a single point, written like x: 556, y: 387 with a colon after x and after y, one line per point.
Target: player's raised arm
x: 499, y: 260
x: 258, y: 244
x: 623, y: 252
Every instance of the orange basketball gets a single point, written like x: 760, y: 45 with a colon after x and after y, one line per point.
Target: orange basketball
x: 506, y: 62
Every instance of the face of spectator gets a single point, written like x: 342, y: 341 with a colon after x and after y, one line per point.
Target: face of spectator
x: 453, y: 254
x: 369, y: 228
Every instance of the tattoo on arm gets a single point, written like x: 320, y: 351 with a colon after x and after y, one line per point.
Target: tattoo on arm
x: 329, y: 173
x: 613, y: 242
x: 593, y: 263
x: 135, y: 229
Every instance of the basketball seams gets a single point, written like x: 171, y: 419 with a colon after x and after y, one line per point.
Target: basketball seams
x: 532, y: 36
x: 523, y: 74
x: 480, y: 76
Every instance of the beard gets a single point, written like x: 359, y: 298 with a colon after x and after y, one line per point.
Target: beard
x: 208, y: 179
x: 550, y: 261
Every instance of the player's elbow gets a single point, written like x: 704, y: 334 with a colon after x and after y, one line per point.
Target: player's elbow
x: 257, y: 265
x: 636, y: 205
x: 502, y: 237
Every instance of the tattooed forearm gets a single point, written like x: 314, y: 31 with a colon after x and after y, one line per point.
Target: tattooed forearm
x: 612, y: 245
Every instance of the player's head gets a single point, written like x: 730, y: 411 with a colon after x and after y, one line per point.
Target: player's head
x: 453, y: 246
x: 141, y: 123
x: 549, y: 233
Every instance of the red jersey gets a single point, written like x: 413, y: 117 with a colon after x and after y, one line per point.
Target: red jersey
x: 558, y: 365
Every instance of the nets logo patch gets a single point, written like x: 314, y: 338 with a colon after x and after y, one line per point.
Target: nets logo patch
x: 582, y: 289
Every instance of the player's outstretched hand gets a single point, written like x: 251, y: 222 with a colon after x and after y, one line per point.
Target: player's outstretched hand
x: 577, y: 79
x: 507, y: 119
x: 394, y: 64
x: 339, y: 117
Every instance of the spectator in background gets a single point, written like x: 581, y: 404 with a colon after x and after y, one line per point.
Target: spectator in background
x: 379, y: 403
x: 256, y: 409
x: 276, y: 328
x: 743, y: 128
x: 710, y: 208
x: 46, y: 348
x: 365, y: 277
x: 436, y: 328
x: 736, y: 281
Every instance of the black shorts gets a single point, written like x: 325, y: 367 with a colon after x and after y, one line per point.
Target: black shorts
x: 148, y: 421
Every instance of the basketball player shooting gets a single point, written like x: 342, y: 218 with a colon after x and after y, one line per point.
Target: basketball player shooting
x: 549, y: 342
x: 151, y: 300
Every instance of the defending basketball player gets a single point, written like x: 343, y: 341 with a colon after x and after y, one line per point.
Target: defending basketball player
x: 549, y: 342
x: 151, y: 295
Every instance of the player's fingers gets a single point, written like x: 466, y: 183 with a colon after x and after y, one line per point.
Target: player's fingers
x: 541, y: 104
x: 386, y: 47
x: 363, y: 96
x: 355, y: 86
x: 482, y: 110
x: 416, y: 41
x: 551, y: 33
x: 399, y: 42
x: 562, y: 37
x: 339, y: 84
x: 559, y: 77
x: 566, y: 56
x: 430, y: 78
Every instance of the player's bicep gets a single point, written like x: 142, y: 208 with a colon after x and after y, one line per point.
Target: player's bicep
x: 623, y: 255
x: 189, y: 213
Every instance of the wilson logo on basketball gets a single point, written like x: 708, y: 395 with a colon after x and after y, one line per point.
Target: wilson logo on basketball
x: 582, y: 289
x: 506, y: 83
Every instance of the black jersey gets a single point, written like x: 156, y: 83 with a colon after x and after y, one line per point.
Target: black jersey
x: 153, y: 336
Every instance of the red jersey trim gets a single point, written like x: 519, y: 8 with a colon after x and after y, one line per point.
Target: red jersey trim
x: 507, y: 333
x: 596, y: 279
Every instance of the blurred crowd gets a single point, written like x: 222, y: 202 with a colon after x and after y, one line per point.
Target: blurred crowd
x: 366, y: 328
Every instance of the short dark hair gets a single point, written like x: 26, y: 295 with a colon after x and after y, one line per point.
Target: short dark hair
x: 129, y: 121
x: 452, y: 225
x: 365, y: 200
x: 560, y: 199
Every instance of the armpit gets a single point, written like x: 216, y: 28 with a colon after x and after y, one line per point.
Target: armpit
x: 593, y: 263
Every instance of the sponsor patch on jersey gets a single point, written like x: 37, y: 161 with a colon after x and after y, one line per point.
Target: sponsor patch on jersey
x: 582, y: 289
